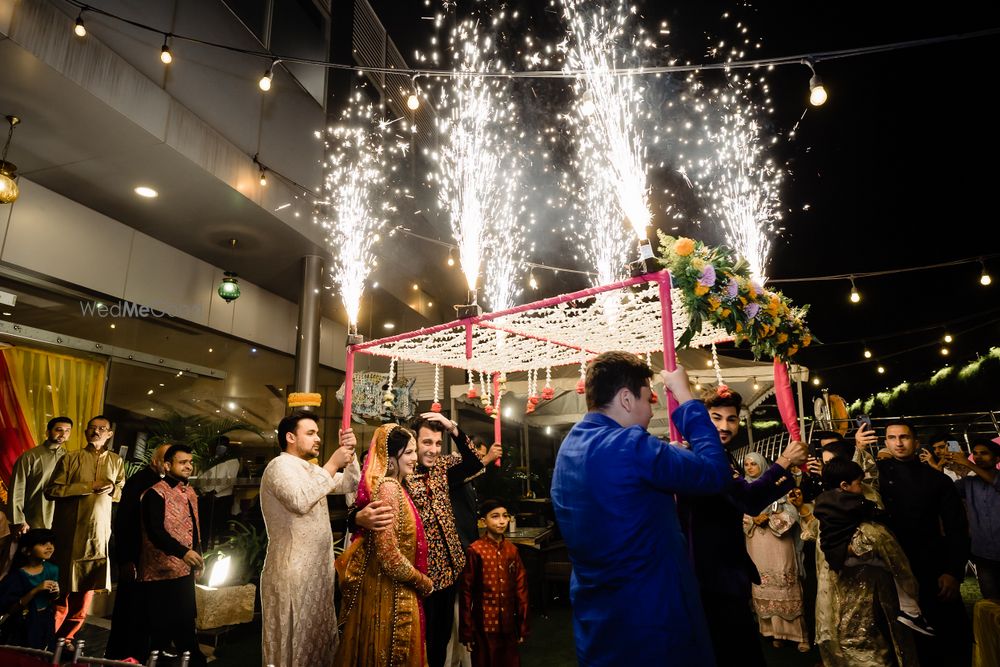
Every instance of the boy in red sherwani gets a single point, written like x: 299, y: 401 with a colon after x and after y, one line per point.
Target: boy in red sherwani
x: 494, y: 599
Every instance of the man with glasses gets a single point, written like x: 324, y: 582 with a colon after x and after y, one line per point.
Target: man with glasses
x: 84, y: 485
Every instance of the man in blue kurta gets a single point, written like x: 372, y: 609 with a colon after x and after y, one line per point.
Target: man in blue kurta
x: 634, y: 594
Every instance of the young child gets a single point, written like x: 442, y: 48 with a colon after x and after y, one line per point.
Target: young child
x: 493, y: 616
x: 28, y: 593
x: 851, y: 535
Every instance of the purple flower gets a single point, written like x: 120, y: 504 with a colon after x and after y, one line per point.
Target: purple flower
x: 757, y: 287
x: 751, y: 310
x: 733, y: 288
x: 707, y: 276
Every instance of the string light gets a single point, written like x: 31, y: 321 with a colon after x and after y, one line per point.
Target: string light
x: 78, y: 27
x: 817, y: 91
x: 984, y: 278
x: 944, y: 351
x: 165, y: 55
x: 881, y: 369
x: 263, y: 177
x: 816, y: 381
x: 756, y: 385
x: 413, y: 102
x: 948, y: 338
x: 855, y: 295
x: 451, y: 258
x: 532, y: 283
x: 265, y: 81
x: 868, y: 354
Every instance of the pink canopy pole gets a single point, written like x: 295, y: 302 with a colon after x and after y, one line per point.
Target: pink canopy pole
x: 496, y: 413
x: 348, y: 388
x: 669, y: 353
x: 786, y: 401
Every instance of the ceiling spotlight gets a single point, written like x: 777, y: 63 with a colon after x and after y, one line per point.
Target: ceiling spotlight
x: 984, y: 277
x: 147, y: 192
x: 855, y: 295
x: 79, y: 28
x: 413, y: 102
x: 165, y: 54
x: 389, y: 325
x: 817, y: 91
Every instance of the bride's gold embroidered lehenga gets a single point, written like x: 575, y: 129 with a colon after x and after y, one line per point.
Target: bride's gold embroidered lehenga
x: 382, y: 576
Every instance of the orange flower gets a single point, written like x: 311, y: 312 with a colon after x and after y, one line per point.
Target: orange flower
x: 700, y: 290
x: 726, y: 312
x: 806, y: 340
x: 782, y: 337
x: 714, y: 303
x: 683, y: 247
x: 792, y: 350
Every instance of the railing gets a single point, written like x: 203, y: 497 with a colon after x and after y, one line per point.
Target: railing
x: 71, y: 653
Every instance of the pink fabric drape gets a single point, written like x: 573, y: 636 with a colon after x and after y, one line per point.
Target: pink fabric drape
x: 786, y: 401
x: 15, y: 437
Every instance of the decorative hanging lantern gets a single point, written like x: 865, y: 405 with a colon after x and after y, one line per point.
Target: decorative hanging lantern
x: 8, y: 170
x: 229, y: 288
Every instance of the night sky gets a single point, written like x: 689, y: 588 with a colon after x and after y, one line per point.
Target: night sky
x: 898, y: 169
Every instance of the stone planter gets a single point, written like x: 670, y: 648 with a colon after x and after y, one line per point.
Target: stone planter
x: 228, y: 605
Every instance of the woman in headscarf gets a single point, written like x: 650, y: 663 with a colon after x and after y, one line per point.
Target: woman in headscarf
x: 383, y: 574
x: 771, y: 544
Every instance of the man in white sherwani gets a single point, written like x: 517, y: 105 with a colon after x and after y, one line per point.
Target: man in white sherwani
x: 297, y: 582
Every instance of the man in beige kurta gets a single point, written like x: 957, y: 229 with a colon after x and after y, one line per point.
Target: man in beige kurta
x: 297, y: 582
x: 29, y: 508
x: 84, y: 485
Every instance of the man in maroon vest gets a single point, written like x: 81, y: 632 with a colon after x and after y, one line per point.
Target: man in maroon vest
x: 169, y: 560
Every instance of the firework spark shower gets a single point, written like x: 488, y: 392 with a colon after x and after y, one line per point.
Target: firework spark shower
x: 354, y: 208
x: 475, y: 161
x: 609, y: 104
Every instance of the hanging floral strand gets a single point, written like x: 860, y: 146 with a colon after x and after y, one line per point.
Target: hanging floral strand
x: 436, y: 405
x: 548, y: 393
x: 389, y: 398
x: 472, y: 393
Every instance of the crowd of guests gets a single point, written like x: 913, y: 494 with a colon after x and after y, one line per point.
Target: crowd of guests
x: 60, y: 509
x: 861, y: 555
x: 828, y: 545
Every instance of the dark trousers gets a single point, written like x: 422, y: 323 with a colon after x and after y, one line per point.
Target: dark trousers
x: 129, y: 636
x: 733, y: 629
x: 952, y: 644
x: 170, y: 614
x: 988, y: 573
x: 439, y: 611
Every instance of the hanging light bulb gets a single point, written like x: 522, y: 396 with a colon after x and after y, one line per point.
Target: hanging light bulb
x: 868, y: 354
x: 816, y: 381
x: 265, y: 81
x: 881, y: 370
x: 756, y: 386
x: 263, y: 177
x: 165, y: 56
x: 984, y: 278
x: 532, y: 283
x: 855, y: 295
x: 78, y: 27
x: 413, y: 102
x: 817, y: 91
x: 451, y: 259
x: 948, y: 338
x: 944, y: 351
